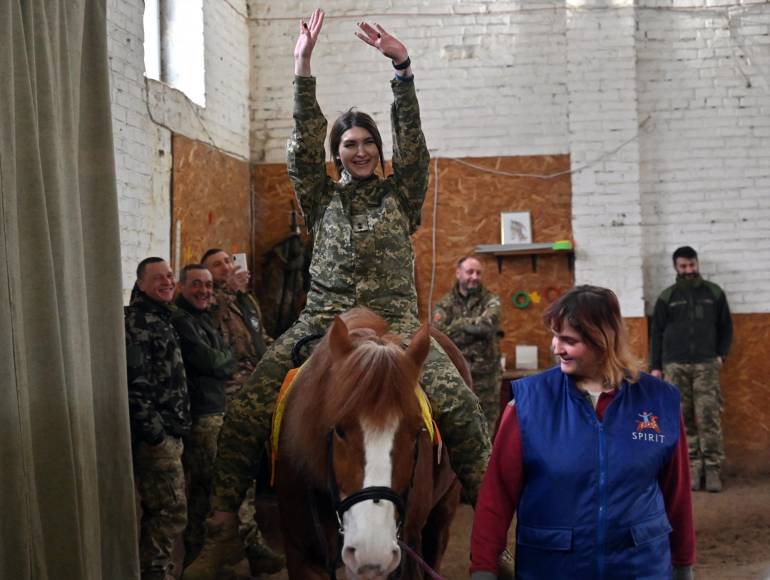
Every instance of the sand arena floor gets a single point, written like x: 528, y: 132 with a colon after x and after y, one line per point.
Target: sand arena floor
x: 732, y: 529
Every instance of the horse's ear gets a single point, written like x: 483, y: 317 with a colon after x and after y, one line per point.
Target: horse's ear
x: 419, y: 348
x: 339, y: 340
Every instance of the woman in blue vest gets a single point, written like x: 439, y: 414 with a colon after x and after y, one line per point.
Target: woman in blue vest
x: 592, y: 457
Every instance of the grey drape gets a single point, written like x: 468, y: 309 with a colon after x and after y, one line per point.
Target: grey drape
x: 66, y: 504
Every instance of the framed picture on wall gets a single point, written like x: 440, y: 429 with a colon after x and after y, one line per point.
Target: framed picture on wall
x: 515, y: 227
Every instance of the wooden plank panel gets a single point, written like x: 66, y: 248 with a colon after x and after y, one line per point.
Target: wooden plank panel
x: 211, y: 200
x: 469, y: 207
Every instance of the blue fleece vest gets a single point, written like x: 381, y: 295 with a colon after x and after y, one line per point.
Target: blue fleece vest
x: 591, y: 507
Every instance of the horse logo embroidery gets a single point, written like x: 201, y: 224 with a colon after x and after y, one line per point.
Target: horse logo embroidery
x: 648, y: 429
x: 649, y: 421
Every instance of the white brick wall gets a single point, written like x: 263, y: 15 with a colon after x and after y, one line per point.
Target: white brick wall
x: 504, y: 78
x: 606, y: 212
x: 490, y: 75
x: 142, y: 149
x: 705, y: 173
x: 142, y: 127
x: 224, y: 121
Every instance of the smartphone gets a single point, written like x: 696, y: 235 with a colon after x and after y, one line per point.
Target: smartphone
x: 239, y: 259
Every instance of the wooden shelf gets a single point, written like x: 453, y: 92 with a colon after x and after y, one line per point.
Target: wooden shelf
x: 501, y: 251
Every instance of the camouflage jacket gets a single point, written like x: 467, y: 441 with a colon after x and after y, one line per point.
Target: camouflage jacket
x: 472, y: 322
x: 363, y: 254
x: 208, y: 361
x: 157, y: 385
x: 239, y: 320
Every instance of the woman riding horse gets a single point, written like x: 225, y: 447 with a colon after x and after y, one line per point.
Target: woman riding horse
x: 362, y: 256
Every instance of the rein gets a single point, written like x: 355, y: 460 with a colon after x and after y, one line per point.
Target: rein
x: 296, y: 355
x: 422, y: 563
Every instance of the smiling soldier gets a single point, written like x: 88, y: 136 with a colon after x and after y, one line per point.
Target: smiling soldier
x: 209, y: 364
x: 690, y: 337
x: 159, y: 409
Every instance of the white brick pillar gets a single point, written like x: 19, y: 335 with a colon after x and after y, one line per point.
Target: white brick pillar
x: 602, y: 110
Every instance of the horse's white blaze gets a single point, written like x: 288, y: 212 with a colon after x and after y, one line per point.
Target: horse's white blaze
x: 370, y: 528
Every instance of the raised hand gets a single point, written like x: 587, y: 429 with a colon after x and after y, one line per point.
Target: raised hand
x: 308, y: 35
x: 387, y: 44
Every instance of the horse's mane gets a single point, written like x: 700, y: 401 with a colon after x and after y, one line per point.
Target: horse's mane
x: 374, y: 380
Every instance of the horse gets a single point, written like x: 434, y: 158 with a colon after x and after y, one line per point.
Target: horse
x: 358, y: 473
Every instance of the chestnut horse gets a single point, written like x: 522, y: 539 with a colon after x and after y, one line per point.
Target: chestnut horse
x: 359, y: 474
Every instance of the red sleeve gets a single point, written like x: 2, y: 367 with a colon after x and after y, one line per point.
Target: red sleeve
x: 499, y: 495
x: 674, y: 482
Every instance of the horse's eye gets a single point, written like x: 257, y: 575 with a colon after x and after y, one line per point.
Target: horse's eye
x: 339, y: 432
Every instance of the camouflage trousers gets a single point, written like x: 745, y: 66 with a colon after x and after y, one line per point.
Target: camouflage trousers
x: 702, y: 403
x: 247, y: 424
x: 487, y: 389
x: 199, y: 456
x: 160, y: 481
x: 200, y: 452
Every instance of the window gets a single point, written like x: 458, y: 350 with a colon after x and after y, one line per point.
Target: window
x: 174, y: 44
x: 152, y: 39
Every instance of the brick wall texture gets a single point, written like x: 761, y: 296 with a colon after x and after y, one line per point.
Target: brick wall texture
x: 663, y: 108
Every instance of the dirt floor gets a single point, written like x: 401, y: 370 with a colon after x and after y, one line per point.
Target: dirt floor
x: 732, y: 530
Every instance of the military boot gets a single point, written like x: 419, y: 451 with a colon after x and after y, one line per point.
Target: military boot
x: 223, y: 545
x: 263, y: 560
x: 713, y: 480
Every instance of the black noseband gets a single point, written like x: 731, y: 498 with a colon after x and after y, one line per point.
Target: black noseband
x: 374, y: 493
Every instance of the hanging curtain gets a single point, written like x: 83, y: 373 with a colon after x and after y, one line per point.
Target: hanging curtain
x: 66, y: 503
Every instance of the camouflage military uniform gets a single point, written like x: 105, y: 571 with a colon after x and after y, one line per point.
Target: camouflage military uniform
x: 208, y: 364
x: 239, y: 320
x: 472, y: 322
x: 702, y: 404
x: 362, y: 256
x: 160, y: 416
x: 691, y: 327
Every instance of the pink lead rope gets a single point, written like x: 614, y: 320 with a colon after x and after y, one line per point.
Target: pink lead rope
x: 416, y: 557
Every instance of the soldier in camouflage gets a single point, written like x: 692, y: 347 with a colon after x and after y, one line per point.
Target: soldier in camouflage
x: 210, y: 324
x: 690, y: 337
x: 470, y: 315
x: 363, y: 256
x: 160, y: 416
x: 208, y: 364
x: 237, y: 315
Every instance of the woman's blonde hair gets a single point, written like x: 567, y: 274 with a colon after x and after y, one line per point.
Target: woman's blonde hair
x: 594, y: 312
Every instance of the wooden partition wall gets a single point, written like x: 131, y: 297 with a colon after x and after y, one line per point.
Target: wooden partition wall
x: 470, y: 201
x: 211, y: 202
x: 223, y: 201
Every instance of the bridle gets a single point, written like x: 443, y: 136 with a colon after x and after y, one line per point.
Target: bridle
x: 374, y: 493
